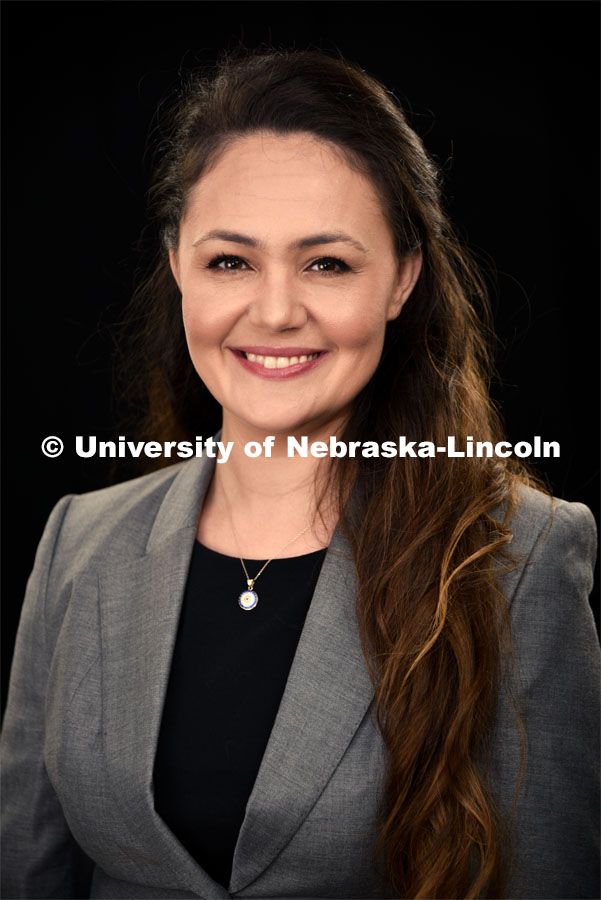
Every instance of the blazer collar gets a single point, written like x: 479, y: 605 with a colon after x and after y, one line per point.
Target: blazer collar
x: 326, y: 697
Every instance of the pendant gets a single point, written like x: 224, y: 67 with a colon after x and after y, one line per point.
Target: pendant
x: 248, y: 599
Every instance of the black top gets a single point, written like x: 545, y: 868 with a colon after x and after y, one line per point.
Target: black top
x: 228, y: 674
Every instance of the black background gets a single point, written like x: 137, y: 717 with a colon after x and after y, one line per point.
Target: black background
x: 506, y: 97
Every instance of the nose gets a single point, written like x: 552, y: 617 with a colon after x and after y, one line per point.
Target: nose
x: 277, y: 304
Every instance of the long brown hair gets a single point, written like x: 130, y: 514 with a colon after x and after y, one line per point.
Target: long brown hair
x: 428, y: 535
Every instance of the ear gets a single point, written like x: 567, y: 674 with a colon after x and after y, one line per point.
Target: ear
x: 173, y: 262
x: 409, y: 270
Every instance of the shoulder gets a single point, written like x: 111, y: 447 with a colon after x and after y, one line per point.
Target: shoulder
x: 547, y: 587
x: 551, y: 536
x: 107, y: 527
x: 537, y: 511
x: 130, y: 504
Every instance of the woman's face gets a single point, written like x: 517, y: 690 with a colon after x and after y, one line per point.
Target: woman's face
x: 288, y: 277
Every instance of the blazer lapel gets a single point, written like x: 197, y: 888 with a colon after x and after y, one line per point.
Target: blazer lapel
x: 140, y: 604
x: 327, y: 695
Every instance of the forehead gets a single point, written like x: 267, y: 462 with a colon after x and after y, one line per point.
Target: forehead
x: 264, y: 180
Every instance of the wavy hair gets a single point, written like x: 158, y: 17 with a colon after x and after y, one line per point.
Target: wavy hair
x: 428, y: 535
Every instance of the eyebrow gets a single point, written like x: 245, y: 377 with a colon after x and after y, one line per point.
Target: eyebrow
x: 312, y: 240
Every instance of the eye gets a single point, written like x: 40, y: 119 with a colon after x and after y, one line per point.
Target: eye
x: 228, y: 263
x: 330, y: 265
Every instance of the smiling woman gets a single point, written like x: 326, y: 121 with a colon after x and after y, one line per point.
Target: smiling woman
x: 395, y: 709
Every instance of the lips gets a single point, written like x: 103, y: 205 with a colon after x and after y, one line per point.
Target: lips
x: 278, y: 361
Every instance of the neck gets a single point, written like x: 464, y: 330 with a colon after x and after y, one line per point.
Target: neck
x: 255, y: 505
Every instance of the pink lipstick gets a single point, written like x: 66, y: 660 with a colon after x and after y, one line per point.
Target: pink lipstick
x: 278, y: 362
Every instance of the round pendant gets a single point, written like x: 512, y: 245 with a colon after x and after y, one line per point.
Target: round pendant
x: 248, y: 599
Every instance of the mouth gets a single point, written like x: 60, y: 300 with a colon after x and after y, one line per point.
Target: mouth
x: 278, y: 361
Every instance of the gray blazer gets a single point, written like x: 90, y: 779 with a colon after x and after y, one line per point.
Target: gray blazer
x: 89, y: 677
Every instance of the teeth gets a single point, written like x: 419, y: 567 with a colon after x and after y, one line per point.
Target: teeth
x: 279, y: 362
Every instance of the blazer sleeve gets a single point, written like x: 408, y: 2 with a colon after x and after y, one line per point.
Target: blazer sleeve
x: 557, y: 654
x: 40, y: 858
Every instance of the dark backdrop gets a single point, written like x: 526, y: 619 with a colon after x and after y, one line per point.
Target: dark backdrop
x: 505, y: 95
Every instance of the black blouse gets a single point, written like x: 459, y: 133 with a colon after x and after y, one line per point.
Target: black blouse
x: 227, y: 678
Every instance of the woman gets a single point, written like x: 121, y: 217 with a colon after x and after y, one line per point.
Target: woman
x: 304, y: 676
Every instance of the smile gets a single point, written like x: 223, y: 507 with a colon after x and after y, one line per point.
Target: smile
x: 279, y: 362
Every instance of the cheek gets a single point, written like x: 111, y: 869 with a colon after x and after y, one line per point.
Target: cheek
x: 205, y: 332
x: 205, y: 324
x: 358, y: 322
x: 359, y: 330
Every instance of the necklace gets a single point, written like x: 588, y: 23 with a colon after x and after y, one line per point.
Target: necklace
x: 249, y: 598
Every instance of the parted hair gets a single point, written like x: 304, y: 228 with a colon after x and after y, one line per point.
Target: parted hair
x: 429, y: 535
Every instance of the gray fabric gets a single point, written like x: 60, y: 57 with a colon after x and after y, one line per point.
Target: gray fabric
x: 89, y: 678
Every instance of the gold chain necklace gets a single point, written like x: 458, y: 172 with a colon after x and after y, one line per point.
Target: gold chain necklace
x: 249, y: 598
